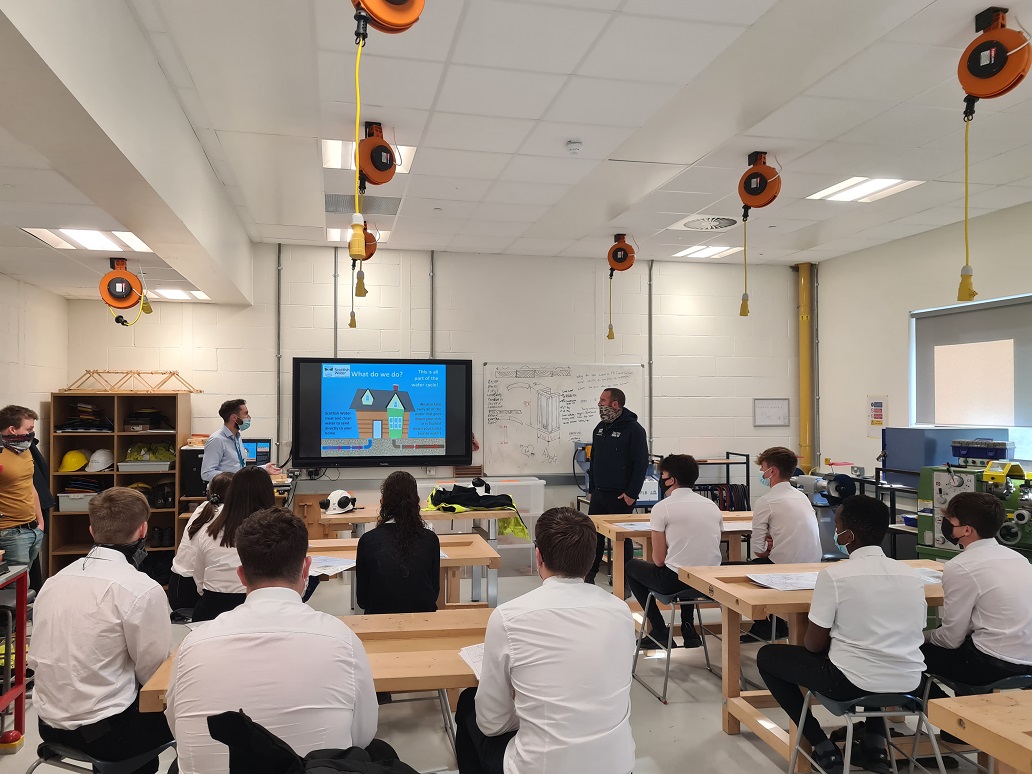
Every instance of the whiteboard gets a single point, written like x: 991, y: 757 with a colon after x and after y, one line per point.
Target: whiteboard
x: 533, y: 412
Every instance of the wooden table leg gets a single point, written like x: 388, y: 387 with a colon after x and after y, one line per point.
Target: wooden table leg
x: 646, y: 550
x: 618, y: 567
x: 731, y: 676
x: 453, y: 584
x: 734, y: 548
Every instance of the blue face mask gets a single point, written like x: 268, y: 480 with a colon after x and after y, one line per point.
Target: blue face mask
x: 841, y: 547
x: 244, y: 424
x: 764, y: 480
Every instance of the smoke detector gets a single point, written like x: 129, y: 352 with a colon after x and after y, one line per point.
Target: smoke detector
x: 573, y: 147
x: 703, y: 223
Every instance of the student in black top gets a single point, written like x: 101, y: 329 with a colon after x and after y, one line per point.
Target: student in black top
x: 398, y: 565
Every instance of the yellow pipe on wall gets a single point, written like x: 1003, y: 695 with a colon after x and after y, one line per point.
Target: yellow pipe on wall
x: 806, y: 386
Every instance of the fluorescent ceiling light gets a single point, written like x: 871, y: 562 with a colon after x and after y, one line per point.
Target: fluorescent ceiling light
x: 704, y: 251
x: 826, y: 192
x: 903, y: 186
x: 863, y: 189
x: 200, y: 295
x: 91, y: 240
x: 340, y: 154
x: 173, y: 294
x: 132, y: 241
x: 50, y: 238
x: 333, y: 235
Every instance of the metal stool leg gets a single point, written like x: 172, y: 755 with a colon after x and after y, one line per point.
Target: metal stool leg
x: 669, y: 649
x: 449, y: 721
x: 799, y: 734
x: 702, y: 634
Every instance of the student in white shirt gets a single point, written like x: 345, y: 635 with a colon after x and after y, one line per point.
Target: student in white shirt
x: 686, y: 529
x: 214, y: 544
x: 865, y: 635
x: 554, y: 694
x: 301, y: 674
x: 186, y: 581
x: 101, y: 630
x: 986, y: 632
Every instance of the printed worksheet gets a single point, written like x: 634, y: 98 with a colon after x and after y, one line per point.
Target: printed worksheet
x: 330, y: 565
x: 785, y: 581
x: 474, y: 656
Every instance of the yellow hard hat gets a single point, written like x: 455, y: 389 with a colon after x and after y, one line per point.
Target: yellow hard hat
x: 74, y: 460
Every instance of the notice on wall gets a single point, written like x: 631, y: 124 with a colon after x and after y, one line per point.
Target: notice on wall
x: 877, y: 414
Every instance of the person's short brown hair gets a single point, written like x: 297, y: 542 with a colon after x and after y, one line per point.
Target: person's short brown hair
x: 116, y: 514
x: 272, y: 545
x: 13, y: 416
x: 566, y: 539
x: 981, y: 511
x: 615, y: 393
x: 784, y: 460
x: 231, y: 407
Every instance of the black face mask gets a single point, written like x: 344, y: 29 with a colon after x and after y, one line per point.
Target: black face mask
x: 135, y: 553
x: 947, y: 531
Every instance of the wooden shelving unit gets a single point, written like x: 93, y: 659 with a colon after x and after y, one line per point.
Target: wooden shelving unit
x: 69, y: 535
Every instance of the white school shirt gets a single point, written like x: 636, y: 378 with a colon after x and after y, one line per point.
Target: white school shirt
x: 787, y: 515
x: 216, y: 564
x: 986, y: 590
x: 101, y: 628
x: 876, y: 610
x: 301, y: 674
x: 557, y: 667
x: 185, y: 562
x: 692, y: 525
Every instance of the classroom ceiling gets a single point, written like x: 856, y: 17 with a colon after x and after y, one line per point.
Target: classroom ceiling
x: 666, y: 97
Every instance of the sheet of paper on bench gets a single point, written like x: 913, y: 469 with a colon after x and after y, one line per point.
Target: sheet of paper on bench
x: 444, y: 555
x: 330, y: 565
x: 737, y: 526
x: 474, y: 656
x: 785, y: 581
x: 637, y: 525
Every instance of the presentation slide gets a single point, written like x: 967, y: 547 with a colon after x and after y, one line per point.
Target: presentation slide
x: 388, y: 410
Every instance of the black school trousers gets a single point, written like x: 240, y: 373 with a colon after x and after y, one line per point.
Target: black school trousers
x: 475, y: 752
x: 967, y: 665
x: 603, y: 503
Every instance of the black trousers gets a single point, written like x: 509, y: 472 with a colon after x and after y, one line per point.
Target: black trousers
x: 118, y: 738
x: 787, y: 668
x: 475, y: 752
x: 968, y: 665
x: 644, y: 577
x: 182, y: 592
x: 605, y: 502
x: 214, y: 603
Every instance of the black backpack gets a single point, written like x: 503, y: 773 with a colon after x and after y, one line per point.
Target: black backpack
x: 255, y: 750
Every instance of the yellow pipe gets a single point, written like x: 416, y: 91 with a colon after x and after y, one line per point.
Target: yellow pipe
x: 806, y: 386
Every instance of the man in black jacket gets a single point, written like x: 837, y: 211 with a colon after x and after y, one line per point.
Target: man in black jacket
x: 619, y: 461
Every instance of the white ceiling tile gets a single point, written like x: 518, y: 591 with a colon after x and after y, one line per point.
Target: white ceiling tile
x: 15, y: 237
x: 949, y: 94
x: 818, y: 118
x: 532, y: 169
x: 597, y: 142
x: 905, y: 125
x: 194, y: 109
x: 414, y: 240
x: 532, y: 246
x: 456, y: 188
x: 676, y: 202
x: 475, y: 133
x: 407, y: 83
x: 34, y: 215
x: 343, y: 181
x: 641, y: 221
x: 1000, y: 132
x: 43, y: 186
x: 943, y: 215
x: 812, y: 209
x: 1001, y: 169
x: 491, y: 92
x: 552, y: 43
x: 481, y: 227
x: 595, y: 5
x: 742, y: 12
x: 888, y: 70
x: 590, y: 247
x: 435, y: 208
x: 425, y: 225
x: 442, y: 162
x: 401, y: 126
x: 281, y: 177
x: 665, y: 51
x: 929, y: 164
x: 510, y: 192
x: 609, y: 102
x: 479, y: 243
x: 763, y: 225
x: 519, y: 213
x: 735, y: 152
x: 170, y: 61
x: 429, y: 38
x: 700, y: 179
x: 889, y: 232
x: 16, y: 154
x: 270, y: 233
x: 149, y: 16
x: 942, y: 23
x: 848, y: 159
x: 1002, y: 197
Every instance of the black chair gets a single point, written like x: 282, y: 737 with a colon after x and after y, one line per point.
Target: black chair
x: 57, y: 755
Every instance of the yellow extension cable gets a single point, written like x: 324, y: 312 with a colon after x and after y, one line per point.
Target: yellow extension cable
x: 611, y: 334
x: 966, y: 291
x: 358, y: 118
x: 743, y: 310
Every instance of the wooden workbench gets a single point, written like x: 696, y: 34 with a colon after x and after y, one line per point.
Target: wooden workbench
x: 998, y: 724
x: 741, y: 598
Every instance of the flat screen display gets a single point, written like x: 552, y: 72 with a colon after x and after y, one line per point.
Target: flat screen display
x: 257, y: 451
x: 388, y: 413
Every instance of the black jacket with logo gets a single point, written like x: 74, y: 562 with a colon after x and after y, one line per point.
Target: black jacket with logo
x: 619, y: 456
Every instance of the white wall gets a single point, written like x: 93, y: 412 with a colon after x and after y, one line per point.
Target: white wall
x: 709, y: 362
x: 865, y: 300
x: 34, y: 353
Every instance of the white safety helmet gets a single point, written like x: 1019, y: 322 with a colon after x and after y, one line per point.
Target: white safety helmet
x: 101, y: 459
x: 339, y: 501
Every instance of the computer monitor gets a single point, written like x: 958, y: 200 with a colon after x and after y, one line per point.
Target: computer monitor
x: 257, y: 451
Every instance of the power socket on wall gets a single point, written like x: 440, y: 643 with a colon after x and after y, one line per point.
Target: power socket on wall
x: 430, y: 471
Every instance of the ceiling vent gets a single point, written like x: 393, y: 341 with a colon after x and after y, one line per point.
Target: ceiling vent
x: 344, y: 204
x: 703, y: 223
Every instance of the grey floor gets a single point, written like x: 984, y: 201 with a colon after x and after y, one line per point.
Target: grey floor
x: 684, y: 735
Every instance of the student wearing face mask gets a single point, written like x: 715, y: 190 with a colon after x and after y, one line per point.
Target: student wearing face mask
x: 686, y: 529
x: 224, y: 451
x: 21, y: 518
x: 619, y: 461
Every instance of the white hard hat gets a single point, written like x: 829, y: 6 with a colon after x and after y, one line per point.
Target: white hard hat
x: 101, y: 459
x: 339, y: 501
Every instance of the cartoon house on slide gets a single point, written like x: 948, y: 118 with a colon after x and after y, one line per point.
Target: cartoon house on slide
x: 382, y: 413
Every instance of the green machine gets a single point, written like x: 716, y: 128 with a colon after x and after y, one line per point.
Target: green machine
x: 1005, y: 479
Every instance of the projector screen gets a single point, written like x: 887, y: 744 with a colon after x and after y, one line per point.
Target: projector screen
x: 351, y: 413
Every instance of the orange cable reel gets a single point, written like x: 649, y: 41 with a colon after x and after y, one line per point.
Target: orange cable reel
x: 390, y: 16
x: 758, y: 187
x: 377, y: 161
x: 997, y: 60
x: 120, y: 288
x: 370, y: 242
x: 621, y: 254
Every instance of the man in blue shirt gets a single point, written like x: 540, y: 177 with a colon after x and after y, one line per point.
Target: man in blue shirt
x: 223, y: 451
